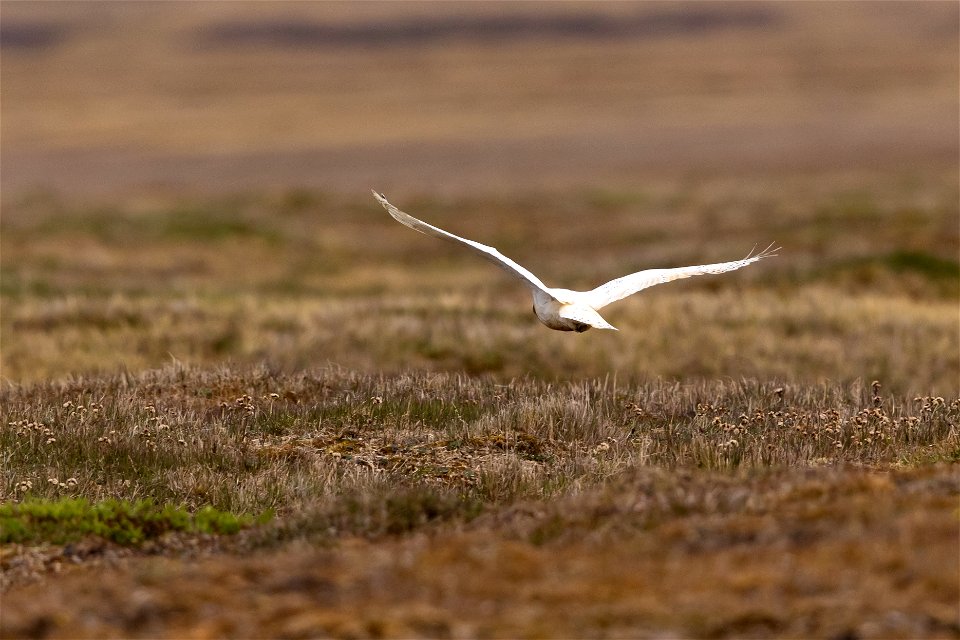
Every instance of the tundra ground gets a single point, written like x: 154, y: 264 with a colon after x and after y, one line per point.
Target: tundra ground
x: 190, y: 344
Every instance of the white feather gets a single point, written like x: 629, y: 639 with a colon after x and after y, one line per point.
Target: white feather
x: 628, y: 285
x: 483, y: 250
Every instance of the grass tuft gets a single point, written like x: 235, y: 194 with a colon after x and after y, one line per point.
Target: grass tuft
x: 342, y: 453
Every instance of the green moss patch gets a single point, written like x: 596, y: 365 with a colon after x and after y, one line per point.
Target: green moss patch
x: 120, y: 521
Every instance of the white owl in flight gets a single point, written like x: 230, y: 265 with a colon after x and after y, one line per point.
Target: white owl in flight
x: 563, y: 309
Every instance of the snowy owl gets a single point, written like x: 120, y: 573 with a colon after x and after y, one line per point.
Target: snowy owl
x: 563, y: 309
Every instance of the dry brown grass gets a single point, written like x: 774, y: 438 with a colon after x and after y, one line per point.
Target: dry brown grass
x: 702, y: 472
x: 251, y: 440
x: 457, y: 504
x: 866, y: 287
x: 818, y: 553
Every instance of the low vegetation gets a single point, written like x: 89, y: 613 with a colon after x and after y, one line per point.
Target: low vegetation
x: 238, y: 400
x: 70, y: 519
x: 818, y: 551
x: 250, y: 440
x: 865, y: 288
x: 183, y: 372
x: 422, y: 475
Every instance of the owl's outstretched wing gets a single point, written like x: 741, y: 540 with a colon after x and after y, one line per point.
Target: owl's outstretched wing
x: 629, y: 285
x: 489, y: 253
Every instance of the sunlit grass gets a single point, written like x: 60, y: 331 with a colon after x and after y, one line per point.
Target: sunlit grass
x: 305, y: 356
x: 323, y: 444
x: 866, y: 286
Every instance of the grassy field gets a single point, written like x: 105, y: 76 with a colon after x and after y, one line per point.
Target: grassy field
x: 392, y: 413
x: 239, y: 400
x: 866, y: 287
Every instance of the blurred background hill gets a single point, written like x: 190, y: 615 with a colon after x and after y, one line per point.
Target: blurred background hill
x: 460, y: 97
